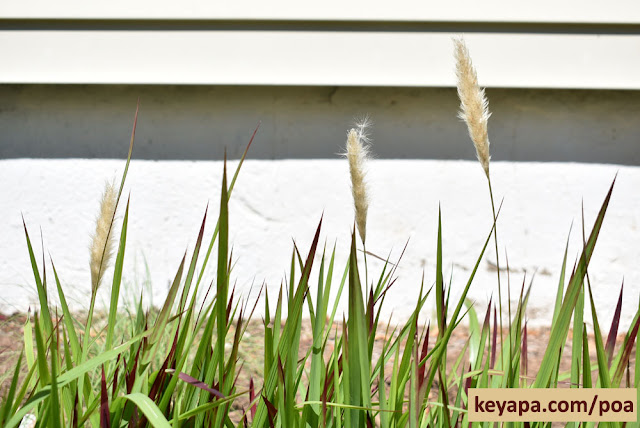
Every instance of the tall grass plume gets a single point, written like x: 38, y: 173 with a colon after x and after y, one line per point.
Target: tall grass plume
x: 474, y: 110
x: 357, y: 154
x: 102, y: 241
x: 474, y: 106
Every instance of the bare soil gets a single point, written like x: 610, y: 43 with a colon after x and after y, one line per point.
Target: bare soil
x: 11, y: 340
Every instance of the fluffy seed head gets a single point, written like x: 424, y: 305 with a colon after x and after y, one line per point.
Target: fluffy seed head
x: 474, y: 107
x: 357, y: 154
x: 102, y: 240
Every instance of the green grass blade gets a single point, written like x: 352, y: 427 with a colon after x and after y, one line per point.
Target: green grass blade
x: 117, y: 281
x: 28, y: 342
x: 292, y: 325
x: 131, y: 141
x: 163, y: 316
x: 576, y: 342
x: 474, y: 332
x: 42, y: 292
x: 603, y: 366
x: 310, y: 415
x: 9, y: 398
x: 55, y: 394
x: 217, y: 228
x: 149, y: 409
x: 222, y: 279
x: 22, y: 393
x: 41, y: 356
x: 67, y: 317
x: 560, y: 329
x: 560, y: 289
x: 586, y: 362
x: 440, y: 346
x: 440, y: 303
x: 357, y: 343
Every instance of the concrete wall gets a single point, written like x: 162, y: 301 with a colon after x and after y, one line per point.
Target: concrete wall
x: 198, y: 122
x: 294, y: 176
x: 279, y: 201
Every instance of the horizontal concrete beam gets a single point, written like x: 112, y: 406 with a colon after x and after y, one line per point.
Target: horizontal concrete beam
x: 547, y: 11
x: 322, y: 58
x: 200, y: 122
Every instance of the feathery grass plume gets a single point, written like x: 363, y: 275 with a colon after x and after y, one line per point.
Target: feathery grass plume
x: 474, y: 107
x: 357, y: 155
x: 102, y: 241
x: 474, y: 110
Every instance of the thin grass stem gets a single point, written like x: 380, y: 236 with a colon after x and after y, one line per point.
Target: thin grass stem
x: 495, y: 235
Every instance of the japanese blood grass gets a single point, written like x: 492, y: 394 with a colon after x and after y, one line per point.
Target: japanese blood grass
x: 179, y: 366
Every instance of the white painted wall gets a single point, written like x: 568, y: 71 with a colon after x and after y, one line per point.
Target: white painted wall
x: 568, y: 11
x: 277, y: 201
x: 315, y: 57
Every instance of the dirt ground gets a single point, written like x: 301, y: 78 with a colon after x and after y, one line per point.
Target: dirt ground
x: 11, y: 339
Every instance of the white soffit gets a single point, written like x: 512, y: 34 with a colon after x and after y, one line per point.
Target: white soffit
x: 221, y: 57
x: 540, y: 11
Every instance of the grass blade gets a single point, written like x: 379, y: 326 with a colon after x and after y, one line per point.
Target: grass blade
x: 603, y: 367
x: 149, y: 409
x: 117, y: 280
x: 613, y: 331
x: 222, y: 280
x: 560, y: 329
x: 42, y: 292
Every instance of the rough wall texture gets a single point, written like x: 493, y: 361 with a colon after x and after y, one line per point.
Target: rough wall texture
x: 276, y: 202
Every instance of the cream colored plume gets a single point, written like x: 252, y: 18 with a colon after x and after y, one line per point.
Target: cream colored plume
x: 102, y: 241
x: 357, y: 155
x: 474, y: 107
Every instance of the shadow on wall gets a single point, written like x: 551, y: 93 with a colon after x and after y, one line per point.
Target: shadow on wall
x: 198, y: 122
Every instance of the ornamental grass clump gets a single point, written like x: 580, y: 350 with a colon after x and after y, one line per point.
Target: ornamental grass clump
x: 180, y: 365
